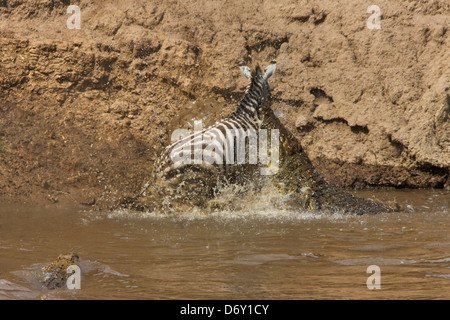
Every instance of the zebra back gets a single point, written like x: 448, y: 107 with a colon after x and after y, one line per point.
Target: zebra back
x: 247, y: 117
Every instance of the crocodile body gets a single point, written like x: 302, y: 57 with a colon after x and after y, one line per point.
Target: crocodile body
x: 307, y: 188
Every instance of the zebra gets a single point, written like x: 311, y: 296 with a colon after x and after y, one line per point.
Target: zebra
x: 192, y: 176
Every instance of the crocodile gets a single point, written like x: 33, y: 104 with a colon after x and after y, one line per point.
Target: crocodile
x: 306, y: 187
x: 55, y: 274
x: 295, y: 176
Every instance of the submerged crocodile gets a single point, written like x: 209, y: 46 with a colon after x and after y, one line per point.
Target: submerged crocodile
x: 56, y: 273
x: 195, y: 169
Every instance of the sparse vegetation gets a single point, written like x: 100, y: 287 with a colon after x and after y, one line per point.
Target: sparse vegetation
x: 3, y: 145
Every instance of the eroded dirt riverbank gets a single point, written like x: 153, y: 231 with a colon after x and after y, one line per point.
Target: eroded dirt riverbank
x: 84, y: 113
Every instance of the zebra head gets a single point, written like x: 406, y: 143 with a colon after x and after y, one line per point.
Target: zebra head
x: 258, y: 89
x: 269, y: 71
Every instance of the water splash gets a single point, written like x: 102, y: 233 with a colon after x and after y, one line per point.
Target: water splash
x: 233, y: 202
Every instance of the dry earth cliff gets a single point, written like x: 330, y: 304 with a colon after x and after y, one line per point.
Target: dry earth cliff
x: 85, y: 112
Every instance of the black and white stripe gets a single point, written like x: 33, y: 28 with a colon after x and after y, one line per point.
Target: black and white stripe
x: 225, y: 135
x: 213, y: 150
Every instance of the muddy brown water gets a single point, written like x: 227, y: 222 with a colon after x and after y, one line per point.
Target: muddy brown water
x: 255, y: 253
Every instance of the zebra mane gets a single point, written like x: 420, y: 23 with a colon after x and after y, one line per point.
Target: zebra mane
x: 257, y: 71
x: 257, y: 89
x: 253, y: 78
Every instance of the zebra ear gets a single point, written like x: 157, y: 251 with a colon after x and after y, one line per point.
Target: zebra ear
x: 270, y: 70
x: 246, y: 72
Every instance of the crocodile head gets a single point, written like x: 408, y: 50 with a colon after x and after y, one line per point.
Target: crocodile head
x: 55, y: 273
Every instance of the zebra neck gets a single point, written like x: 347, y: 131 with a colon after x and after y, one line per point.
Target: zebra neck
x: 251, y: 103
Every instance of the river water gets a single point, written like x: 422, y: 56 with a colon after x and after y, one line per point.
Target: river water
x: 254, y: 253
